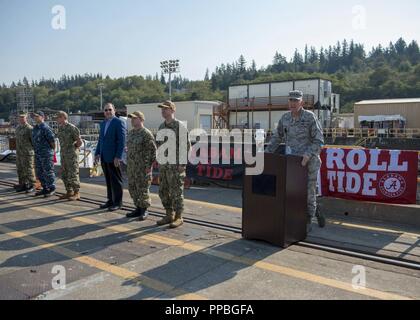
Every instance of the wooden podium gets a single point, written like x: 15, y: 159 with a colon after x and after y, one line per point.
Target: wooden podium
x: 275, y: 203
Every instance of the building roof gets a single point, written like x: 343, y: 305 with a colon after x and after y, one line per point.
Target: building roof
x: 389, y: 101
x: 278, y: 81
x: 213, y: 103
x: 382, y: 118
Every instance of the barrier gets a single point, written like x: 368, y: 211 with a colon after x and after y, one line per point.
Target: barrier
x: 372, y: 132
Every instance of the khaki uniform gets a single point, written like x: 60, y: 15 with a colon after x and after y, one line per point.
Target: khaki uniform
x: 25, y: 155
x: 171, y: 181
x: 140, y: 156
x: 303, y: 136
x: 68, y: 134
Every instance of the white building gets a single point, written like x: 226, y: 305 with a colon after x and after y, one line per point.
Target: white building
x: 195, y: 114
x: 345, y: 120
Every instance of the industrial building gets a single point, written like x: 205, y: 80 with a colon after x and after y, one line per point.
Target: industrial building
x: 261, y: 105
x: 387, y: 114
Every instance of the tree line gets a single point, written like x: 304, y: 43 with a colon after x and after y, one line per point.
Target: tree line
x: 356, y: 74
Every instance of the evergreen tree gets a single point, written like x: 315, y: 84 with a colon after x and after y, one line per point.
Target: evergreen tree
x: 313, y: 56
x: 241, y: 64
x: 384, y: 72
x: 413, y: 52
x: 162, y: 79
x: 297, y: 61
x: 400, y: 46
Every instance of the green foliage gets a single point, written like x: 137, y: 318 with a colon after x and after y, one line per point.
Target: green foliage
x: 391, y: 72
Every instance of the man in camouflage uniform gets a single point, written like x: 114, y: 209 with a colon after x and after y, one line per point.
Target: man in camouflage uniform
x: 172, y: 176
x: 24, y: 155
x: 44, y: 146
x: 70, y: 142
x: 303, y: 136
x: 141, y: 153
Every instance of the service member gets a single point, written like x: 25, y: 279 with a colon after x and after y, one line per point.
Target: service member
x: 44, y: 146
x: 24, y: 155
x: 70, y: 142
x: 303, y: 136
x: 172, y: 176
x: 141, y: 153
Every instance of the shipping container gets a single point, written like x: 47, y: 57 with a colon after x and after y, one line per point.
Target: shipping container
x: 260, y: 105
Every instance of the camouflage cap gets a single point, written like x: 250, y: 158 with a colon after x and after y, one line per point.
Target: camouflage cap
x: 60, y: 114
x: 137, y: 114
x: 23, y: 114
x: 39, y: 114
x: 167, y: 105
x: 295, y: 95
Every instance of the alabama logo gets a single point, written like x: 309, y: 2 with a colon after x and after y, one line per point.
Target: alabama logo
x: 392, y: 185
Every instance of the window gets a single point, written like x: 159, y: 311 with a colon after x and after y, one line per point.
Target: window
x: 205, y: 122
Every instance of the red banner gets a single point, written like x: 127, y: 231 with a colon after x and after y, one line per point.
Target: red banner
x: 388, y: 176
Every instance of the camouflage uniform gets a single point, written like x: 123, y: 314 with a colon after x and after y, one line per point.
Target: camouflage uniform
x: 25, y: 155
x: 42, y: 137
x: 68, y: 134
x: 140, y: 156
x: 171, y: 181
x: 303, y: 136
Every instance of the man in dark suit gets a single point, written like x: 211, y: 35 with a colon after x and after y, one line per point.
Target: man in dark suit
x: 109, y: 150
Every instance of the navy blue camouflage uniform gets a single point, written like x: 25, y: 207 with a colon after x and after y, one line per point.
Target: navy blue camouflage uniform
x: 43, y: 139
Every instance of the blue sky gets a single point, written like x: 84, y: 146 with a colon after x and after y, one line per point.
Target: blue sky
x: 127, y: 37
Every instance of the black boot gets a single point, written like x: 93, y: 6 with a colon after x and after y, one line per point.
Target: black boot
x: 21, y: 188
x: 135, y: 213
x: 41, y: 193
x: 320, y: 217
x: 115, y: 207
x: 50, y: 192
x: 106, y: 205
x: 144, y: 214
x: 29, y: 188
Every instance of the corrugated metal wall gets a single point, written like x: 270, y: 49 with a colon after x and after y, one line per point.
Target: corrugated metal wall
x: 410, y: 111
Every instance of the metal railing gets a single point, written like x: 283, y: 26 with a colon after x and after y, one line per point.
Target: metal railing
x: 363, y: 133
x: 266, y: 102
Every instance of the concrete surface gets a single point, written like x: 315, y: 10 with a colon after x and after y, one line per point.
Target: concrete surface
x: 106, y: 256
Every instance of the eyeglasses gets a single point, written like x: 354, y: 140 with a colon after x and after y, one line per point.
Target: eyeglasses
x: 106, y: 110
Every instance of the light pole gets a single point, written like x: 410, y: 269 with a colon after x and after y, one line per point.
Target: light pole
x: 101, y: 86
x: 169, y: 67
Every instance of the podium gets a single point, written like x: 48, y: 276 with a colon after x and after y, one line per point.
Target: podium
x: 275, y: 202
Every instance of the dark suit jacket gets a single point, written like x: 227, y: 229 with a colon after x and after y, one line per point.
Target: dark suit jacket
x: 111, y: 145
